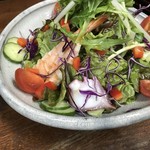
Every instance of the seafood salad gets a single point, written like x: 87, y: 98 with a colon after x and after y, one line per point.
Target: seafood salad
x: 90, y: 58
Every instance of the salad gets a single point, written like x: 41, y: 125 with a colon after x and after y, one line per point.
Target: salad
x: 90, y: 58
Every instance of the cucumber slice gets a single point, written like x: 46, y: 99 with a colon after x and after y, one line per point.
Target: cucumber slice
x: 61, y: 108
x: 11, y: 52
x: 12, y: 40
x: 95, y: 113
x: 67, y: 112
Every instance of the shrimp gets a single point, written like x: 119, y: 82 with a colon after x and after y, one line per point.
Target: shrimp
x: 49, y: 64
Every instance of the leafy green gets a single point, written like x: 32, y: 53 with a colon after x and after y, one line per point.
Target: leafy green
x: 56, y: 96
x: 63, y: 88
x: 102, y: 43
x: 128, y: 20
x: 85, y: 12
x: 145, y: 71
x: 44, y: 41
x: 146, y: 57
x: 64, y: 3
x: 134, y: 78
x: 128, y: 93
x: 109, y: 33
x: 53, y: 97
x: 31, y: 63
x: 99, y: 66
x: 128, y: 3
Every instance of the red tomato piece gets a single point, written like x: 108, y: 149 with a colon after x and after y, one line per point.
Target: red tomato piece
x: 146, y: 24
x: 52, y: 86
x: 28, y: 81
x: 138, y: 52
x: 65, y: 25
x: 76, y: 63
x: 101, y: 52
x: 39, y: 92
x: 36, y: 71
x: 116, y: 94
x: 145, y: 87
x: 62, y: 22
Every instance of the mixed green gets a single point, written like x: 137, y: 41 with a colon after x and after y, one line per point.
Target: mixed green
x: 95, y: 49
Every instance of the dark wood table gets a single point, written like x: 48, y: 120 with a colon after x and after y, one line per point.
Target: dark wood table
x: 20, y: 133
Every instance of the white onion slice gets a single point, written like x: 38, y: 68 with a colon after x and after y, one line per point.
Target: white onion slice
x: 77, y: 99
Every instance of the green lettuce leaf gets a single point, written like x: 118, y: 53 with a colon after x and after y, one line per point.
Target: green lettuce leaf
x: 99, y: 68
x: 134, y: 78
x: 128, y: 93
x: 44, y: 41
x: 102, y: 43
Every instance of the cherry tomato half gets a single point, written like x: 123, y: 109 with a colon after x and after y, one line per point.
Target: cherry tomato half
x: 146, y: 24
x: 27, y: 80
x: 138, y: 52
x: 145, y: 87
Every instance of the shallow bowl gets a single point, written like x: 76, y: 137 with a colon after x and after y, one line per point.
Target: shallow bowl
x: 32, y: 18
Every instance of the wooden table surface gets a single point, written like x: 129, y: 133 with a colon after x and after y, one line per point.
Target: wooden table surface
x: 20, y: 133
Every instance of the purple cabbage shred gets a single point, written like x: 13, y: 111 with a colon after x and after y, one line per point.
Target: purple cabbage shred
x: 141, y: 8
x: 131, y: 62
x: 31, y: 46
x: 84, y: 70
x: 146, y: 42
x: 56, y: 37
x: 90, y: 92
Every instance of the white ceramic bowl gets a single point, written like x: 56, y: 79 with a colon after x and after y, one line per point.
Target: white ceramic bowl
x: 23, y: 104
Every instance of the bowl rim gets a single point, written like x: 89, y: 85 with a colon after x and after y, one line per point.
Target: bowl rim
x: 59, y: 121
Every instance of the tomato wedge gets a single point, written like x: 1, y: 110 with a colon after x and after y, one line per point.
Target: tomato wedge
x: 138, y: 52
x: 39, y: 92
x: 146, y: 24
x: 65, y: 25
x: 145, y: 87
x: 52, y: 86
x: 27, y: 80
x: 76, y: 63
x: 116, y: 93
x: 35, y: 71
x: 101, y: 52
